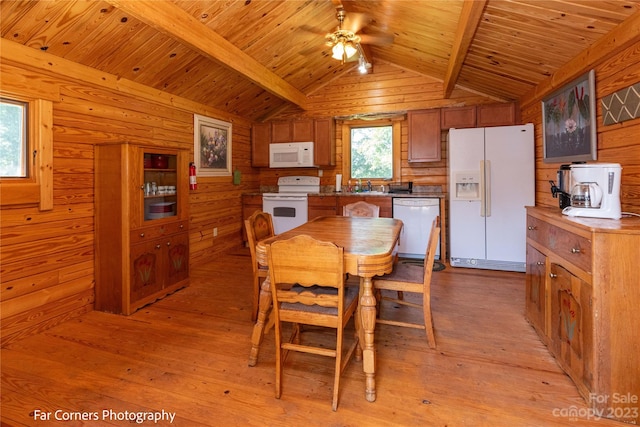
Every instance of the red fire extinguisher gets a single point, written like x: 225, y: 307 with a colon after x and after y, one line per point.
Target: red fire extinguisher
x: 193, y: 184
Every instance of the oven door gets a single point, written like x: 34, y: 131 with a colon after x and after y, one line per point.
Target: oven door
x: 287, y: 210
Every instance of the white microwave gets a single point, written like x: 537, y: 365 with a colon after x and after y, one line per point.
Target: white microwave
x: 291, y: 155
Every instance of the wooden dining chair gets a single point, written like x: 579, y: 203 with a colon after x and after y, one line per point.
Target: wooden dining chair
x: 259, y: 226
x: 362, y: 209
x: 413, y: 278
x: 307, y: 285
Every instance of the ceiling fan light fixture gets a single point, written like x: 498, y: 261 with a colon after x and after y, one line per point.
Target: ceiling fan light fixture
x: 350, y: 49
x: 337, y: 50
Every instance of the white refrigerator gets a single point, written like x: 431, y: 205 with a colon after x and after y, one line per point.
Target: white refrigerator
x: 492, y: 179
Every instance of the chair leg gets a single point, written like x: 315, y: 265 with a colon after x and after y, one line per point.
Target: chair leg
x: 278, y: 329
x: 428, y: 319
x: 256, y: 298
x: 336, y: 380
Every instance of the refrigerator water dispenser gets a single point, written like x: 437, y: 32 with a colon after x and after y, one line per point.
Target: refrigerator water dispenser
x: 467, y: 185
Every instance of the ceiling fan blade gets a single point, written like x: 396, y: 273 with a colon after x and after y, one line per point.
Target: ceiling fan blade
x: 314, y: 30
x: 376, y: 39
x: 354, y: 22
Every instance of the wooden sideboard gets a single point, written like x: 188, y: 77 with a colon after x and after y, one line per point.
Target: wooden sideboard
x: 583, y: 299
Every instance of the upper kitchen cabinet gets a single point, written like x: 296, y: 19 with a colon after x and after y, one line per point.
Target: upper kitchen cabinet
x: 458, y: 117
x: 260, y: 139
x: 292, y: 131
x: 505, y: 114
x: 325, y: 149
x: 424, y: 135
x: 321, y: 131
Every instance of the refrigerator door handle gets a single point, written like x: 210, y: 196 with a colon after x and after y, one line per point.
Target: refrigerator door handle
x: 483, y: 212
x: 487, y: 183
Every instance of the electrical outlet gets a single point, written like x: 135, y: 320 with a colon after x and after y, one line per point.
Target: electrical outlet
x: 215, y: 232
x: 320, y: 172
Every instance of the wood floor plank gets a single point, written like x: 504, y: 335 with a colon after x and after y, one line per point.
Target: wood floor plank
x: 188, y: 354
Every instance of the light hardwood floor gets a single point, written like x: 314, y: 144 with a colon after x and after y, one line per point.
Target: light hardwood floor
x: 188, y: 354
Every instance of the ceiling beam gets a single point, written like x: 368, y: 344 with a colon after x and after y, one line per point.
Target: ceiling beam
x: 174, y: 22
x: 470, y: 18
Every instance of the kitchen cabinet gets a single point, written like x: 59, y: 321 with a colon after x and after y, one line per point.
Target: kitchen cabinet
x: 503, y: 114
x: 292, y: 130
x: 321, y: 131
x: 485, y: 115
x: 536, y: 297
x: 260, y: 140
x: 424, y: 135
x: 324, y: 139
x: 142, y: 241
x: 322, y: 206
x: 458, y: 117
x: 383, y: 201
x: 592, y: 291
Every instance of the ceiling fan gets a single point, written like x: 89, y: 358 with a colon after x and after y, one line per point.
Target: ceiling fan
x: 346, y: 43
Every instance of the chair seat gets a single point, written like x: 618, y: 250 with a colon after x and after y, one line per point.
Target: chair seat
x: 350, y: 293
x: 405, y: 273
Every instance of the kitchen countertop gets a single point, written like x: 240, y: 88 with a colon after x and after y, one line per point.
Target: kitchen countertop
x: 431, y: 195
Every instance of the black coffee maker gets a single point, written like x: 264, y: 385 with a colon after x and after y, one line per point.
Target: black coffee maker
x: 563, y: 190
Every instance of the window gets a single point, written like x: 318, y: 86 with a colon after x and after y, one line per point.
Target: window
x: 371, y: 150
x: 26, y: 151
x: 14, y: 141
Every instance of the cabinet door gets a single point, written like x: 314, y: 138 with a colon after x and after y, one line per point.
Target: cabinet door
x: 505, y: 114
x: 302, y: 130
x: 424, y: 136
x: 176, y: 259
x: 322, y: 206
x: 572, y: 326
x: 146, y: 270
x: 536, y: 302
x: 458, y: 117
x: 260, y: 139
x: 324, y: 142
x: 281, y: 131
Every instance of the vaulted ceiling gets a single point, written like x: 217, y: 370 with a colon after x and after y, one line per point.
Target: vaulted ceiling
x: 255, y: 58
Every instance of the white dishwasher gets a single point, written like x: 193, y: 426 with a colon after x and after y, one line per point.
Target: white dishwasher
x: 417, y: 214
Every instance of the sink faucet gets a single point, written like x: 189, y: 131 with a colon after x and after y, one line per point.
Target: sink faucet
x: 369, y: 185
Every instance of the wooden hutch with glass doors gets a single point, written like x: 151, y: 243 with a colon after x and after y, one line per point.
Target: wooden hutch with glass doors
x: 142, y: 225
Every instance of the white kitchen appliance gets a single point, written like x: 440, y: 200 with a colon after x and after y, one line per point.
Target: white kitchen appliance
x: 492, y: 179
x: 416, y: 215
x: 291, y: 155
x: 595, y: 191
x: 289, y: 206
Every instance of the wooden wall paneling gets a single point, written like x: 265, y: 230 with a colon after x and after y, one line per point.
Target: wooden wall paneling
x: 617, y: 143
x: 55, y: 250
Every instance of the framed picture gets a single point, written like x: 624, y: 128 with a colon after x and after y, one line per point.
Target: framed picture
x: 569, y: 122
x: 211, y: 146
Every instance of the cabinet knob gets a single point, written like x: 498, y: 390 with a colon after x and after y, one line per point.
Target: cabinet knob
x: 157, y: 246
x: 168, y: 243
x: 141, y: 234
x: 531, y: 227
x: 181, y: 226
x: 553, y: 275
x: 540, y: 263
x: 575, y: 250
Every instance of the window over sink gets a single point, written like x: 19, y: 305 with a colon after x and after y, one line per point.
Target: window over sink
x: 371, y: 150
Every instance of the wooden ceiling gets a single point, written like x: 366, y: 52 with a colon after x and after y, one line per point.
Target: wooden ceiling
x: 256, y: 58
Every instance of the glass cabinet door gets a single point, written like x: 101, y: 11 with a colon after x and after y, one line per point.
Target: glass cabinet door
x: 160, y: 187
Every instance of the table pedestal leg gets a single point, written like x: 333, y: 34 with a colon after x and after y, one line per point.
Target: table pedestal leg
x: 258, y: 330
x: 368, y: 324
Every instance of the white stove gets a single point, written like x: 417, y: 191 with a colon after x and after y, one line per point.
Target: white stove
x: 289, y: 206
